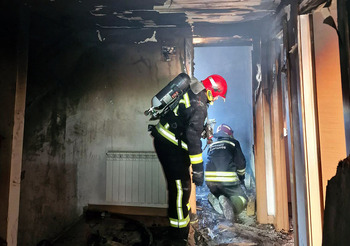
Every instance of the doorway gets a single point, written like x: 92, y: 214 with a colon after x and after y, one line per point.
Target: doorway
x: 234, y: 64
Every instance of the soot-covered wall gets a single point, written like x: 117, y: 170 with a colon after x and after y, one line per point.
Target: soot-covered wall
x: 85, y: 97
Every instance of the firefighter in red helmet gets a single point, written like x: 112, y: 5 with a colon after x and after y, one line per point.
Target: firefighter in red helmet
x: 216, y: 86
x: 177, y: 142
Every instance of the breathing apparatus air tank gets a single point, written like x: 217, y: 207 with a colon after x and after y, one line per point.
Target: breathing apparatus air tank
x: 167, y: 98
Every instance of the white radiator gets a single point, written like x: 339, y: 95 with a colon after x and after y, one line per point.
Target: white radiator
x: 135, y: 179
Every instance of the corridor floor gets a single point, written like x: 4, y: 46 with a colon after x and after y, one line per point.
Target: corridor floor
x: 101, y: 228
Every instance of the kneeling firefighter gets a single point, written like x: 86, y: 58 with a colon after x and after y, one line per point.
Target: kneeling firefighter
x: 181, y: 108
x: 225, y: 173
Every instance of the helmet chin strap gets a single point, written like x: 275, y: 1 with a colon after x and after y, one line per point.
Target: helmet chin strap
x: 210, y: 97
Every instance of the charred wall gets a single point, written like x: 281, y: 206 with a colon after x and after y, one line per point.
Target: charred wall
x: 87, y: 92
x: 284, y: 25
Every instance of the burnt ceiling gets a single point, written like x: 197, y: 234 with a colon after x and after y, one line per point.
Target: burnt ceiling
x: 112, y: 15
x: 172, y: 13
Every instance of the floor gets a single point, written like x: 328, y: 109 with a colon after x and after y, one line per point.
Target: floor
x: 101, y: 228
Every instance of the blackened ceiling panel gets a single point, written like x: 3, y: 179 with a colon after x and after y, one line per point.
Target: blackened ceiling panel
x: 153, y: 13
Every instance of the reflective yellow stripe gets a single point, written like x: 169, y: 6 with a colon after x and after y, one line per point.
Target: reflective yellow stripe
x: 175, y: 110
x: 179, y: 223
x: 223, y: 141
x: 221, y: 176
x: 221, y: 179
x: 241, y: 171
x: 187, y: 101
x: 196, y: 159
x: 180, y: 214
x: 169, y: 135
x: 243, y: 200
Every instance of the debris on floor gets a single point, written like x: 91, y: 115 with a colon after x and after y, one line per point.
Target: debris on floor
x: 103, y: 228
x: 216, y: 230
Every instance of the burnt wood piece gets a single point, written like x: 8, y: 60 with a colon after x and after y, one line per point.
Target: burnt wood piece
x: 336, y: 215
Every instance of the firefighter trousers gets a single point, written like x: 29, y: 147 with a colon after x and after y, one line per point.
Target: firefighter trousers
x: 234, y: 192
x: 175, y: 163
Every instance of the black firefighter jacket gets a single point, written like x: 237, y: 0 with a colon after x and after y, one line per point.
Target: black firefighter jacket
x: 226, y: 162
x: 183, y: 126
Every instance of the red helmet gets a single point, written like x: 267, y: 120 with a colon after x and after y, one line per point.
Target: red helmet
x: 216, y: 85
x: 226, y: 129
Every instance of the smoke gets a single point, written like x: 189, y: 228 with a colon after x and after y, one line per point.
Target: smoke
x: 234, y: 64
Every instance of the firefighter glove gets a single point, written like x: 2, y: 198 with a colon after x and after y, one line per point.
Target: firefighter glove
x: 198, y: 174
x: 241, y: 178
x: 198, y: 178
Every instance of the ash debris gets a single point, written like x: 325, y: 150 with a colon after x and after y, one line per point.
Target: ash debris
x: 213, y: 229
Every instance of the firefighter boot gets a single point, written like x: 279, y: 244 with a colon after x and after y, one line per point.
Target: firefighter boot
x: 227, y: 208
x: 214, y: 202
x: 239, y: 203
x: 177, y: 236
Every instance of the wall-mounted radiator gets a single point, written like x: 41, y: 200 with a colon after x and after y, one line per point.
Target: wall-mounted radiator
x: 135, y: 179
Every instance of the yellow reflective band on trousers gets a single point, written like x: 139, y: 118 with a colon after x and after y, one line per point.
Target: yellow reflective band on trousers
x: 169, y: 136
x: 196, y: 159
x: 181, y: 221
x: 243, y: 200
x: 180, y: 214
x: 213, y: 176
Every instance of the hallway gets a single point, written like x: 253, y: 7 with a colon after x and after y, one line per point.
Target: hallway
x: 78, y: 75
